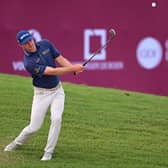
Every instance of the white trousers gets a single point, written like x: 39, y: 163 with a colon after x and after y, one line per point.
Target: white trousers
x: 43, y: 98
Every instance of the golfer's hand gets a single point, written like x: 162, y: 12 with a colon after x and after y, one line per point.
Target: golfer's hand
x: 78, y: 68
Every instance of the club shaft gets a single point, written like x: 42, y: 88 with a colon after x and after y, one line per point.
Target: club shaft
x: 98, y: 51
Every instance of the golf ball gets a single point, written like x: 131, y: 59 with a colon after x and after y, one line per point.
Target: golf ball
x: 154, y: 4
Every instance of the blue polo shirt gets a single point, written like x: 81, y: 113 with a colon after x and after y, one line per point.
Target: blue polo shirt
x: 35, y: 63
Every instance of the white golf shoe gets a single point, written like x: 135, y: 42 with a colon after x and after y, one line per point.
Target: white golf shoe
x: 12, y: 146
x: 47, y: 156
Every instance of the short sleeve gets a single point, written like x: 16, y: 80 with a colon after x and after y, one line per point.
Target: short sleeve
x: 54, y: 51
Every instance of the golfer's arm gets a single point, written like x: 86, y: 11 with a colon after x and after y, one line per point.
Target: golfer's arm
x: 63, y: 61
x: 58, y: 71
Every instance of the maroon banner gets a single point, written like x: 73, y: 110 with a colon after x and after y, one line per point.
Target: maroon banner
x: 136, y: 60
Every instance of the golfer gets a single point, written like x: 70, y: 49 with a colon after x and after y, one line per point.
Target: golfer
x: 40, y: 61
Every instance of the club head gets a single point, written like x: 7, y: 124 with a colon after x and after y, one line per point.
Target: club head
x: 112, y: 32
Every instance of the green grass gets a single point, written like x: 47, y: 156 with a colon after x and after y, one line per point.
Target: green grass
x: 102, y: 128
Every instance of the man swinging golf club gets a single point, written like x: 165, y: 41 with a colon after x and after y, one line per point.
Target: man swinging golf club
x: 40, y: 61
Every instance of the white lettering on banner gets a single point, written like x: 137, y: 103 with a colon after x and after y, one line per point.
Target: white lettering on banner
x: 111, y: 65
x: 94, y: 32
x: 149, y: 53
x: 18, y: 66
x: 115, y: 65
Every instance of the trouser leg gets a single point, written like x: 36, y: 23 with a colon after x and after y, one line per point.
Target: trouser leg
x: 57, y: 107
x: 39, y: 109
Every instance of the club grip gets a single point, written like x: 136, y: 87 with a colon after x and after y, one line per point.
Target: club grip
x: 83, y: 65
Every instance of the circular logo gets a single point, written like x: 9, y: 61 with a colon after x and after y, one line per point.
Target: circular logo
x: 149, y: 53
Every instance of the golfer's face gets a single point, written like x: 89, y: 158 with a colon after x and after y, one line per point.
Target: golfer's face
x: 30, y: 46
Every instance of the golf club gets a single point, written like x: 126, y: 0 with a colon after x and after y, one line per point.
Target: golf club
x: 112, y: 33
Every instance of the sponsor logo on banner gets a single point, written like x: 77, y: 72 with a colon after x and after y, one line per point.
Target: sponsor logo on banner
x: 149, y: 53
x: 88, y: 33
x: 99, y: 62
x: 18, y: 66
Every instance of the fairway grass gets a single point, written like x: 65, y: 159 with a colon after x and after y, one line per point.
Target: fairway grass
x: 101, y: 128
